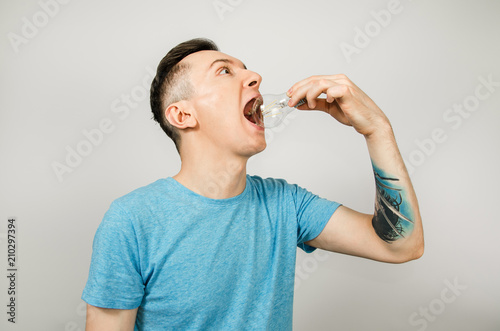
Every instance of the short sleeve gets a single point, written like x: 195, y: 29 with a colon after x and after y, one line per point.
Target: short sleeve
x: 313, y: 213
x: 114, y: 277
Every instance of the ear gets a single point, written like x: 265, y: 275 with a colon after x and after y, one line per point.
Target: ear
x: 180, y: 114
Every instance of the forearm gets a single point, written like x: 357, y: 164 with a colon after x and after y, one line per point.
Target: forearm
x: 396, y: 235
x: 396, y: 218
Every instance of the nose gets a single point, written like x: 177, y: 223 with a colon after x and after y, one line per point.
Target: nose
x: 253, y: 80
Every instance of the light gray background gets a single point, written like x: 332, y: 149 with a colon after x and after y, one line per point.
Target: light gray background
x: 70, y: 75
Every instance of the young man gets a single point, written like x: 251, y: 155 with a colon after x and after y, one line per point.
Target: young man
x: 213, y: 248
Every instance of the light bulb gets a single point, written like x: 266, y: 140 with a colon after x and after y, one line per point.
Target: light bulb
x: 275, y: 108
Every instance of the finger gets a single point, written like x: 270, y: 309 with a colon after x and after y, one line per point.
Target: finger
x: 303, y: 82
x: 314, y: 90
x: 340, y: 78
x: 311, y: 92
x: 337, y: 92
x: 329, y: 97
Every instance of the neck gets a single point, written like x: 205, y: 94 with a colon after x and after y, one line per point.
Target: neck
x: 213, y: 174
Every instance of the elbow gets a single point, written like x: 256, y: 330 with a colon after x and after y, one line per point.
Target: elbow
x: 415, y: 254
x: 420, y: 251
x: 419, y: 248
x: 408, y: 255
x: 415, y: 248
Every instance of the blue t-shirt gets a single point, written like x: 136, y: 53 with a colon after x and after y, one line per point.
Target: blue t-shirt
x: 194, y: 263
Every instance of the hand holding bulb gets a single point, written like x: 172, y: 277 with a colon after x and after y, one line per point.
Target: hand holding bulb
x: 344, y: 101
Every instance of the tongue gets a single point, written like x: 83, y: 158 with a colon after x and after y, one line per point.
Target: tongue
x: 250, y: 118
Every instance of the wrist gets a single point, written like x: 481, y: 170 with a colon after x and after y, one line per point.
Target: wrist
x: 382, y: 131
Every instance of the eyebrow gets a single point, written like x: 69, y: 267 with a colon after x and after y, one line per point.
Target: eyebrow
x: 225, y: 61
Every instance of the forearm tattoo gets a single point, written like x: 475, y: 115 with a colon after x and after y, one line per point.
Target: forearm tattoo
x: 393, y: 215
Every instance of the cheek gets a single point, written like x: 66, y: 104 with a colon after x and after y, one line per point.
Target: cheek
x: 206, y: 110
x: 215, y: 111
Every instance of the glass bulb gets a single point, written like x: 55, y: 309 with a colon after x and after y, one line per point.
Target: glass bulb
x: 275, y: 108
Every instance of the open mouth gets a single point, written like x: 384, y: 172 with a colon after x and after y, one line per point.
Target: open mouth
x: 253, y: 113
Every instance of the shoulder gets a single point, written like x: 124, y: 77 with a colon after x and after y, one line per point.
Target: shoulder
x: 142, y: 198
x: 146, y: 190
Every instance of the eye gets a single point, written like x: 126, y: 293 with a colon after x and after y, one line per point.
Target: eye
x: 225, y: 71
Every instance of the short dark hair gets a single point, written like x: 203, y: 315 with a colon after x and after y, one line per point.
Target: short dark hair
x: 171, y: 84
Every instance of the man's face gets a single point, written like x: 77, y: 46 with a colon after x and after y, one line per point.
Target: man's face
x: 224, y: 90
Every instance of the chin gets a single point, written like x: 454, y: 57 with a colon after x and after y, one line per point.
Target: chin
x: 262, y: 145
x: 256, y: 149
x: 262, y: 148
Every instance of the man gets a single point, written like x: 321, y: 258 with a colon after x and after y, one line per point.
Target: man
x: 213, y: 248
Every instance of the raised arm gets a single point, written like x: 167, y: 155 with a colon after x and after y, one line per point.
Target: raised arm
x: 100, y: 319
x: 393, y: 233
